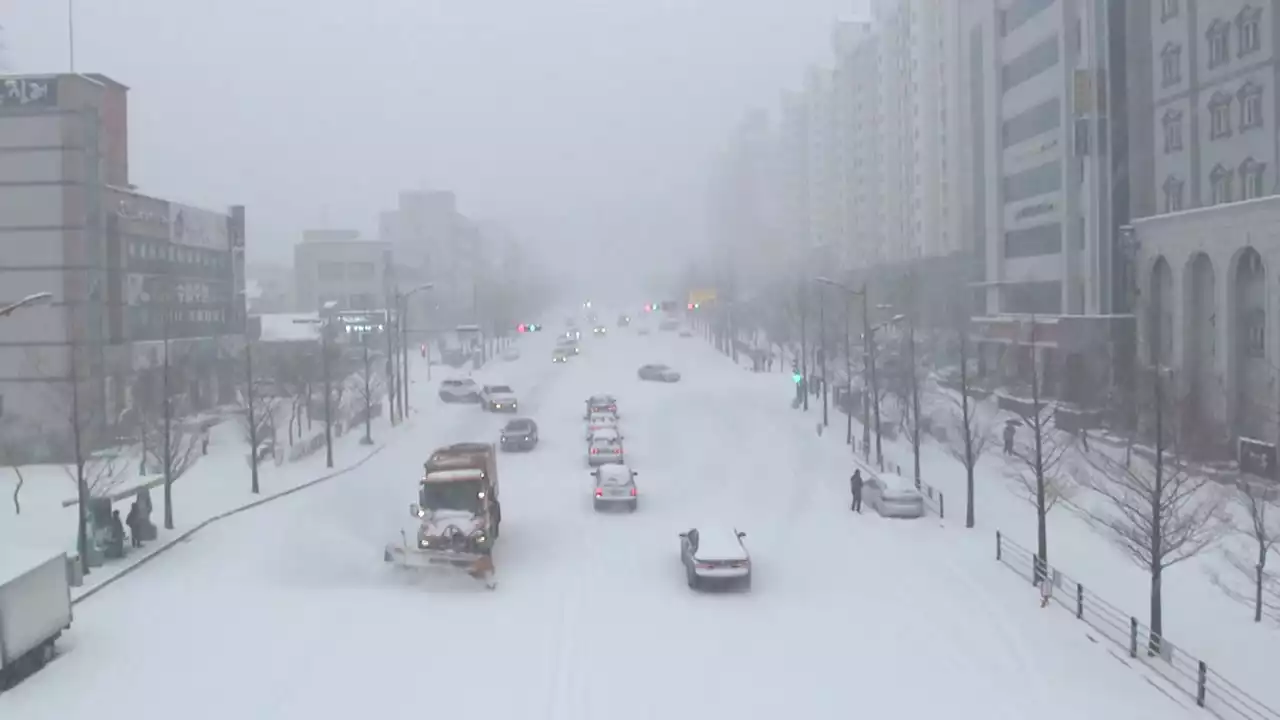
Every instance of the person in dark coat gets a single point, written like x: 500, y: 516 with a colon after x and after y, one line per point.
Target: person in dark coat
x: 1008, y: 438
x: 855, y: 486
x: 133, y: 520
x: 117, y: 527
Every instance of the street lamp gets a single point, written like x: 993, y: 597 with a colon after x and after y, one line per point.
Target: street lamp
x: 41, y: 298
x: 403, y: 303
x: 323, y: 322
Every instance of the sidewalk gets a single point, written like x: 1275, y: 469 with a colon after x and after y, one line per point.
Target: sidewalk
x: 216, y: 484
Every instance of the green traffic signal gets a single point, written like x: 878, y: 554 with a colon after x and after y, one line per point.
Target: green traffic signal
x: 796, y: 378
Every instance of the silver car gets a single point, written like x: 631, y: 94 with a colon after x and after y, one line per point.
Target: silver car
x: 893, y: 496
x: 658, y: 373
x: 615, y: 487
x: 604, y: 448
x: 715, y: 556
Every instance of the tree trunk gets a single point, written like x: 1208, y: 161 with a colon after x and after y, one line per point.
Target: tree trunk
x: 17, y: 504
x: 1157, y: 610
x: 1258, y: 575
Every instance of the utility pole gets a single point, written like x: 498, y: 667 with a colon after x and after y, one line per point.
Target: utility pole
x: 253, y: 418
x: 848, y: 375
x: 804, y: 347
x: 404, y: 355
x: 166, y: 446
x: 822, y: 352
x: 867, y: 375
x: 368, y: 392
x: 915, y: 383
x: 82, y: 487
x: 393, y: 390
x: 325, y: 327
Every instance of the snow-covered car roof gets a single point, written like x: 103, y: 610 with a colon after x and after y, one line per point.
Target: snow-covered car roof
x: 455, y: 382
x: 897, y: 483
x: 605, y: 434
x: 519, y: 423
x: 717, y: 542
x: 502, y: 389
x: 602, y: 419
x: 613, y: 475
x: 603, y: 399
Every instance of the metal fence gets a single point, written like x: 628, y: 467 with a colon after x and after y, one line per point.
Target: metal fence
x: 934, y: 499
x: 1180, y: 669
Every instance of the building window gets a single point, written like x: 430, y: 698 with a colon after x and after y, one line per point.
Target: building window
x: 1249, y: 28
x: 1168, y: 9
x: 1171, y: 64
x: 1033, y: 241
x: 1251, y: 172
x: 1250, y: 95
x: 329, y: 271
x: 1173, y: 188
x: 1220, y: 184
x: 1255, y: 335
x: 1031, y: 63
x: 1219, y: 43
x: 1172, y: 123
x: 1220, y: 115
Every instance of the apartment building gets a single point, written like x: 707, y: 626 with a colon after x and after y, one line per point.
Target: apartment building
x: 338, y: 266
x: 433, y: 243
x: 793, y: 166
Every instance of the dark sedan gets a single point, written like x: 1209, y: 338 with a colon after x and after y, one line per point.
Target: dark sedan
x: 520, y: 434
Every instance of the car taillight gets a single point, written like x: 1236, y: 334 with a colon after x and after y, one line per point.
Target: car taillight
x: 633, y: 492
x: 599, y: 492
x: 704, y: 566
x: 595, y: 451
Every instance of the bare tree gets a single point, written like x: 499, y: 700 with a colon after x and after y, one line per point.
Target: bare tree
x: 177, y: 447
x: 1159, y: 512
x: 104, y: 470
x: 367, y: 387
x: 1261, y: 525
x: 266, y: 407
x: 1041, y: 477
x: 972, y: 429
x: 13, y: 439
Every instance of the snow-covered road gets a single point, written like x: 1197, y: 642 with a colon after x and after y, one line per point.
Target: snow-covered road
x: 288, y: 611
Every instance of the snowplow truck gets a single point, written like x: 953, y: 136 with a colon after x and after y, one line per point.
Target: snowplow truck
x: 458, y: 513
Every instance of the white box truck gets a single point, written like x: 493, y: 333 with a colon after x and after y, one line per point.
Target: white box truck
x: 35, y: 607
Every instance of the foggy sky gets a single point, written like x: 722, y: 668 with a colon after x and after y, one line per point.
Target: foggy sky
x: 582, y: 124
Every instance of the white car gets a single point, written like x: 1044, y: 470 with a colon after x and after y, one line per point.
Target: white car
x: 714, y: 556
x: 604, y: 434
x: 893, y: 496
x: 615, y: 486
x: 460, y: 390
x: 511, y: 353
x: 604, y: 448
x: 602, y: 405
x: 498, y: 398
x: 601, y: 421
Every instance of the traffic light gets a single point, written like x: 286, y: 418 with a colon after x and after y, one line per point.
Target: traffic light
x: 796, y: 377
x: 690, y: 306
x: 521, y: 327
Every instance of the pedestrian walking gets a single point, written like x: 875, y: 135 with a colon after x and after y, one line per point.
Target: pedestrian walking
x: 1008, y: 438
x: 133, y: 520
x: 855, y: 487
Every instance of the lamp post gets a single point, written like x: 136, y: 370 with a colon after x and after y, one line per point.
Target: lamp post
x: 403, y: 307
x: 41, y: 298
x: 248, y: 396
x: 822, y: 353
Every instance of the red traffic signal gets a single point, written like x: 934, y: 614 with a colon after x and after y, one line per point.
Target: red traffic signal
x: 521, y: 327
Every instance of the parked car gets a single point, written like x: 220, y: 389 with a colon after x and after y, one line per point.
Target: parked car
x: 615, y: 486
x: 604, y: 449
x: 602, y: 405
x: 519, y: 434
x: 658, y: 373
x: 715, y: 557
x: 892, y: 495
x: 498, y: 398
x: 464, y: 390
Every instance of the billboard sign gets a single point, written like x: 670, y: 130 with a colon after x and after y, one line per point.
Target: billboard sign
x: 198, y: 228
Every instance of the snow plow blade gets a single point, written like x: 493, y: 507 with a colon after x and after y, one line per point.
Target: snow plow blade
x: 477, y: 565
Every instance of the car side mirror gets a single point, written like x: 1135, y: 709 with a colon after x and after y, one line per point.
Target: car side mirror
x: 415, y: 511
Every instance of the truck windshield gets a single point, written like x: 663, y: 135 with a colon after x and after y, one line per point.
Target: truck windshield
x: 461, y: 495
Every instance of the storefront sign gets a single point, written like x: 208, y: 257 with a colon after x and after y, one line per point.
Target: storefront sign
x: 37, y: 91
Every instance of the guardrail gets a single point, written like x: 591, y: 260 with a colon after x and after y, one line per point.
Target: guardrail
x: 1180, y: 669
x: 934, y: 498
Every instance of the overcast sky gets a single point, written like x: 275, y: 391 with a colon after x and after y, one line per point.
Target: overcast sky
x: 575, y: 121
